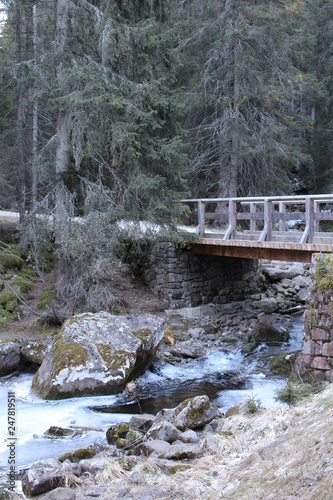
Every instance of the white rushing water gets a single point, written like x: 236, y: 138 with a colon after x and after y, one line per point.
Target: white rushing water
x: 34, y: 415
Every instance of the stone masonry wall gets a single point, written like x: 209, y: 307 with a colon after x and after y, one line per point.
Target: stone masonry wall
x: 182, y: 279
x: 317, y: 352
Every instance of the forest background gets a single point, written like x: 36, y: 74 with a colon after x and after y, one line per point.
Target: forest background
x: 116, y: 109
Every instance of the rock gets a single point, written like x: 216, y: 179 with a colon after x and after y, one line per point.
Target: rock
x: 189, y: 436
x: 184, y: 350
x: 279, y: 271
x: 170, y: 467
x: 210, y: 444
x: 92, y: 466
x: 233, y: 410
x: 77, y: 455
x: 281, y: 364
x: 302, y: 295
x: 97, y: 354
x: 265, y: 332
x: 192, y: 413
x: 94, y: 491
x: 249, y: 347
x: 196, y: 333
x: 42, y: 477
x: 142, y: 422
x: 155, y: 445
x: 164, y: 431
x: 9, y: 357
x: 266, y: 304
x: 35, y: 352
x: 302, y: 281
x: 60, y: 494
x: 180, y: 451
x: 116, y: 432
x: 58, y: 432
x: 131, y: 438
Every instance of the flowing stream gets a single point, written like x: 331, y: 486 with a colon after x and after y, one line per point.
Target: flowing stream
x: 90, y: 417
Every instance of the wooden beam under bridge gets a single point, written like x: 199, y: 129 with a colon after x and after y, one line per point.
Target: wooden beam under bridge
x: 253, y: 250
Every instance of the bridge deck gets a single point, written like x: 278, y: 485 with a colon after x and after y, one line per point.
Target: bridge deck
x: 280, y: 228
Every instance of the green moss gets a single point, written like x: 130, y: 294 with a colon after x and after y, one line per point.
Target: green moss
x: 46, y: 297
x: 24, y: 285
x: 7, y: 300
x: 118, y: 359
x: 121, y: 443
x: 249, y: 347
x: 323, y: 273
x: 77, y: 455
x: 228, y: 340
x: 106, y: 353
x: 143, y: 334
x: 11, y: 261
x: 68, y: 355
x: 312, y: 318
x: 122, y: 430
x: 279, y: 365
x: 29, y: 272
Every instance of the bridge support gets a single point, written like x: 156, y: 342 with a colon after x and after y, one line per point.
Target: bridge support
x: 317, y: 351
x: 182, y: 279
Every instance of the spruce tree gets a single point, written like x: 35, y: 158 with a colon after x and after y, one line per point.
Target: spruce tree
x: 246, y: 138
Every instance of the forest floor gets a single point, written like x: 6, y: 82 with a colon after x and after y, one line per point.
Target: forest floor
x: 132, y: 295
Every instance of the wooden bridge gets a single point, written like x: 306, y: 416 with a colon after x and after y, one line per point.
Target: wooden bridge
x: 273, y: 227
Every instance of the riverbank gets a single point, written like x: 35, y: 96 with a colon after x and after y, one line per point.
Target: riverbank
x: 266, y: 455
x: 263, y: 455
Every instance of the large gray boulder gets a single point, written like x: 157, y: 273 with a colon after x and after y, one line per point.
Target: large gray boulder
x: 277, y: 271
x: 97, y: 354
x: 9, y: 357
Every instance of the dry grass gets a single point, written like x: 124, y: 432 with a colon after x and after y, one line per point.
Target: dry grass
x: 278, y: 453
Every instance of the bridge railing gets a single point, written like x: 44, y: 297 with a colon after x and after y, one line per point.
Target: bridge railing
x: 263, y: 218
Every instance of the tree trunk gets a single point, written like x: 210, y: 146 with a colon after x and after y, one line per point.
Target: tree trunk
x: 63, y: 149
x: 62, y: 159
x: 34, y: 122
x: 29, y: 119
x: 20, y: 184
x: 228, y: 179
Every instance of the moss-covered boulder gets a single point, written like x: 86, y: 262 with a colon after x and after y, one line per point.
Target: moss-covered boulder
x: 98, y: 354
x: 266, y: 332
x: 77, y: 455
x: 283, y: 363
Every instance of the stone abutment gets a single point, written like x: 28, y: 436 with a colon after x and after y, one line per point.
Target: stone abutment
x: 182, y: 279
x: 317, y: 352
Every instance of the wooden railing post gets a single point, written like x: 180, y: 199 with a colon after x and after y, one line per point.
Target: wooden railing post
x: 307, y: 236
x: 201, y: 218
x: 267, y: 231
x: 316, y: 210
x: 309, y: 217
x: 282, y: 220
x: 253, y: 222
x: 231, y: 231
